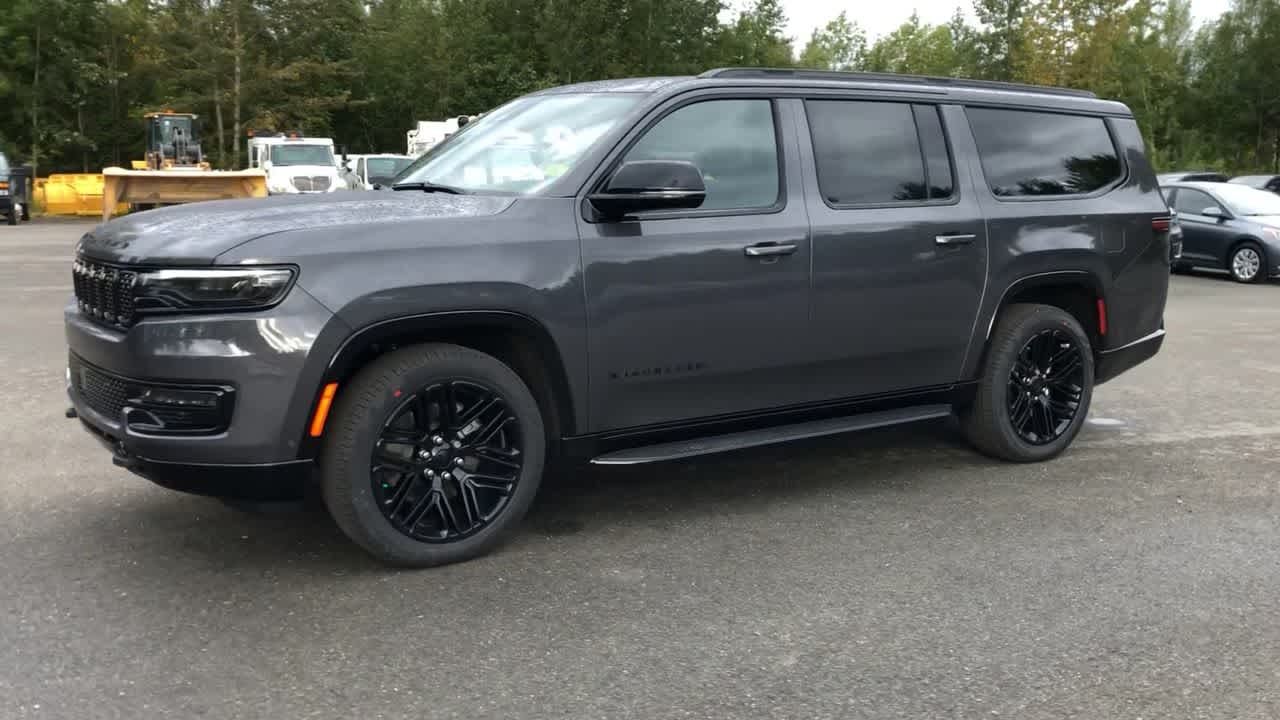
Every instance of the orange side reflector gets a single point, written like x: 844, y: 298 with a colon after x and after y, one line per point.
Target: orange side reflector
x: 322, y: 409
x: 1102, y: 316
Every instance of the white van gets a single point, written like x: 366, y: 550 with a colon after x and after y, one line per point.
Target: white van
x: 296, y: 164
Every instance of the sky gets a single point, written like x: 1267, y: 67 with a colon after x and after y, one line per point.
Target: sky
x: 879, y: 17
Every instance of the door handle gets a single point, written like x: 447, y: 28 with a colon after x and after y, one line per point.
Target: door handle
x: 769, y: 249
x: 961, y: 239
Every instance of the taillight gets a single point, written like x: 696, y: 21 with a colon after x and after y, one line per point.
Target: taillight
x: 1161, y: 224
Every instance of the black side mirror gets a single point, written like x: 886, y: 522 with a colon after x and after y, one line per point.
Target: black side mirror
x: 650, y: 185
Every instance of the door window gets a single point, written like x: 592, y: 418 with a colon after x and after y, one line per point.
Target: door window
x: 732, y: 142
x: 1193, y: 202
x: 870, y: 153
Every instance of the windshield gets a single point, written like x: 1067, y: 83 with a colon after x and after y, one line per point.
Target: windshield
x: 523, y: 145
x: 382, y: 170
x: 1244, y: 200
x: 301, y: 155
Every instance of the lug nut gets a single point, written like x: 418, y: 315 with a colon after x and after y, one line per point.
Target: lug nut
x: 459, y: 461
x: 437, y: 440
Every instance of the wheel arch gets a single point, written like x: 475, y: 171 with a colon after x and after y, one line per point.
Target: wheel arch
x: 1235, y: 245
x: 1078, y: 292
x: 514, y: 338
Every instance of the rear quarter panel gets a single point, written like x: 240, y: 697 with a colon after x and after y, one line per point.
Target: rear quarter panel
x: 1106, y: 237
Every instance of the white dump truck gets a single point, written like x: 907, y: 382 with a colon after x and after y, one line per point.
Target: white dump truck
x: 296, y: 164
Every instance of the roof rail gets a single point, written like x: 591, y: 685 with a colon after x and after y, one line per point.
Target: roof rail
x: 877, y: 77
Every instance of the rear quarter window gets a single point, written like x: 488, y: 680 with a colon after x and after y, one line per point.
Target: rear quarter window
x: 1039, y: 154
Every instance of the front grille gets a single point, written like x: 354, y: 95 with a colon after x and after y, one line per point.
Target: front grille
x: 107, y: 395
x: 316, y: 183
x: 104, y: 292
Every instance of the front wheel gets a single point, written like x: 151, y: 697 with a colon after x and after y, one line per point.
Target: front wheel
x: 1246, y: 263
x: 434, y: 455
x: 1035, y: 388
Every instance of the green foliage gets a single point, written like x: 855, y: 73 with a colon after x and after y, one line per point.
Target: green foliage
x: 78, y: 75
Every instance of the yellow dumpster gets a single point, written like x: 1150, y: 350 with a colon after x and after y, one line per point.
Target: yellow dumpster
x: 72, y: 194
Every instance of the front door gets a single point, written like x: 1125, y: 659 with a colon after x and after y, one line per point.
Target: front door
x: 899, y: 246
x: 1205, y: 238
x: 685, y: 319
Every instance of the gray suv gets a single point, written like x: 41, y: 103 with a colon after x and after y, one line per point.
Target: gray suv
x: 628, y: 272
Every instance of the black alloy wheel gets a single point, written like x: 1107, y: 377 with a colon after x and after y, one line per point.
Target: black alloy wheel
x: 1046, y: 386
x: 447, y: 461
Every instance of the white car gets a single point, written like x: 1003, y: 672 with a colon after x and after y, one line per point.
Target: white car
x: 365, y: 172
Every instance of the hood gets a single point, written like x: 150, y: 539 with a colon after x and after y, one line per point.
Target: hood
x: 197, y: 233
x: 1271, y: 221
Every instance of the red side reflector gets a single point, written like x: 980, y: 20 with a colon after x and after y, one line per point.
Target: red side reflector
x: 322, y: 409
x: 1102, y: 316
x: 1160, y: 224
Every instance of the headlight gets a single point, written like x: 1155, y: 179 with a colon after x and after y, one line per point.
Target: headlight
x: 233, y: 288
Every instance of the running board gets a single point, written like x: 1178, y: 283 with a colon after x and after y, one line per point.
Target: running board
x: 770, y: 436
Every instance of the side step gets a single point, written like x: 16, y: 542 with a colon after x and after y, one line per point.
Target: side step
x: 770, y: 436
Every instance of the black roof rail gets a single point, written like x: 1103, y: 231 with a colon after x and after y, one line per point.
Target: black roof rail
x: 874, y: 77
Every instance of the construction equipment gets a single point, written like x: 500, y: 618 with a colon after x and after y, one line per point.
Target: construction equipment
x: 174, y: 170
x: 173, y: 142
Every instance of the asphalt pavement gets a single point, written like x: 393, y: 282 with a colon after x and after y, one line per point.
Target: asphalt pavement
x: 894, y: 574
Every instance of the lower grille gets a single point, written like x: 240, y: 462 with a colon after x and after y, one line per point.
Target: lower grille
x: 107, y: 395
x: 152, y: 408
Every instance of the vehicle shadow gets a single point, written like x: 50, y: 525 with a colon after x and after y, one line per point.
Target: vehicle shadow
x: 156, y: 529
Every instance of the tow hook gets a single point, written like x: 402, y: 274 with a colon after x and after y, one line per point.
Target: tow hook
x: 71, y: 413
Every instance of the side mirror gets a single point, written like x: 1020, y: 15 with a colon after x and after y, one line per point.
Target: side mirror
x: 650, y: 185
x: 1214, y: 212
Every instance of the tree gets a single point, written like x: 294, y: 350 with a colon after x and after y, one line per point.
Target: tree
x: 840, y: 45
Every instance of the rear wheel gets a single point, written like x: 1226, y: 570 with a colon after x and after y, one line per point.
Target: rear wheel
x: 1247, y: 263
x: 434, y: 455
x: 1035, y: 389
x: 12, y: 217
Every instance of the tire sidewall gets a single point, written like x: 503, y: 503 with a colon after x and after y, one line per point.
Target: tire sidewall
x: 1002, y: 365
x: 354, y: 488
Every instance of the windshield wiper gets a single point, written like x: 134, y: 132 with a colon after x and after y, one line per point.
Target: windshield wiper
x: 429, y: 187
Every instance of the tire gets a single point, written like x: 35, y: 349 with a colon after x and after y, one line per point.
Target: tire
x: 373, y: 499
x: 1021, y: 332
x: 1247, y: 256
x: 12, y: 217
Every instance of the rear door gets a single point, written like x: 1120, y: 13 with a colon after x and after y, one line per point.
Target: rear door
x: 1205, y: 238
x: 899, y: 245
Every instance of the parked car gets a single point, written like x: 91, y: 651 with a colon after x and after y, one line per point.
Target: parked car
x: 1270, y: 183
x: 672, y: 267
x: 10, y: 194
x: 365, y: 172
x: 1228, y: 226
x: 1198, y: 176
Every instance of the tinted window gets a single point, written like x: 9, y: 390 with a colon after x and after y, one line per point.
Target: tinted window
x: 731, y: 141
x: 1192, y: 202
x: 937, y: 161
x: 1034, y: 153
x: 866, y: 152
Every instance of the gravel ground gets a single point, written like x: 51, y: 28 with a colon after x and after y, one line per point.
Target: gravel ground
x: 887, y: 575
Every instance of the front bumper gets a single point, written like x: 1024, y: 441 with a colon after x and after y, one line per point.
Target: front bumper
x: 271, y: 482
x: 263, y: 357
